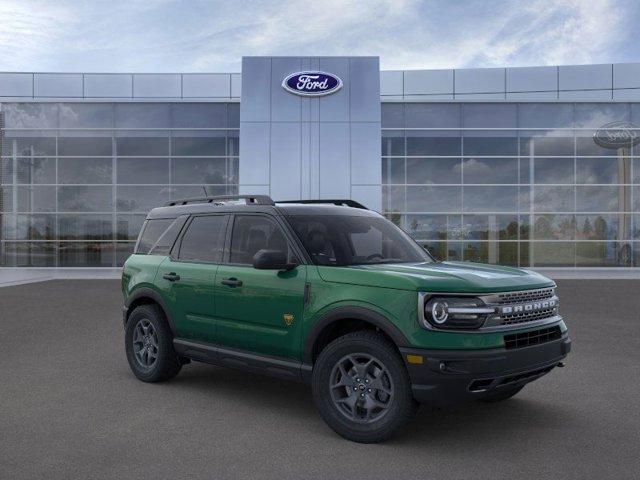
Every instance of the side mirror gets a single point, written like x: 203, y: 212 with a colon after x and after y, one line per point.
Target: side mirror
x: 272, y: 260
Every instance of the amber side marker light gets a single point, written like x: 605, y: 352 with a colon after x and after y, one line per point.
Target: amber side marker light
x: 415, y: 359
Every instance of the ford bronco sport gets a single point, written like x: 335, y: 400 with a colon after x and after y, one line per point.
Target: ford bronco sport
x: 333, y: 294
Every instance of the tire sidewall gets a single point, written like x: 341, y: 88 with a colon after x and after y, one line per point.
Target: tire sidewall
x: 401, y: 406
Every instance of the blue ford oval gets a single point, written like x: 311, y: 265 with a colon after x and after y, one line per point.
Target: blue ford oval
x: 312, y: 83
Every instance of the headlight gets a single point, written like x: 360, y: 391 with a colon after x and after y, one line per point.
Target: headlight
x: 455, y: 312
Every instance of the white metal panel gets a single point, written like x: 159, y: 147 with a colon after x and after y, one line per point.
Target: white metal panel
x: 532, y: 96
x: 428, y: 82
x: 285, y: 160
x: 108, y: 85
x: 203, y: 85
x: 334, y: 160
x: 236, y: 85
x: 157, y: 85
x: 364, y: 83
x: 335, y: 107
x: 629, y: 94
x: 586, y: 95
x: 532, y: 79
x: 391, y: 82
x: 626, y: 75
x: 585, y: 77
x: 255, y: 105
x: 479, y: 80
x: 285, y: 106
x: 254, y: 153
x: 365, y: 153
x: 57, y: 85
x: 16, y: 84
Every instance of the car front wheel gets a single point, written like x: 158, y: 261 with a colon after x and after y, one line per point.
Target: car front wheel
x: 361, y: 387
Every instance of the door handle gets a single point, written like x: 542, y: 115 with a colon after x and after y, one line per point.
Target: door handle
x: 172, y: 277
x: 232, y: 282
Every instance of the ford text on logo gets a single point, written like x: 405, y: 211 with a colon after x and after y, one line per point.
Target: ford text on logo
x: 617, y: 135
x: 312, y: 84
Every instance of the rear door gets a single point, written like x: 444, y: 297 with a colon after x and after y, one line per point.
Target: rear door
x: 187, y: 277
x: 259, y: 310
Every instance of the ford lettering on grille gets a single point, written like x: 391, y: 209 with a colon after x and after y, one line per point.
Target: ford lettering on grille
x: 312, y: 83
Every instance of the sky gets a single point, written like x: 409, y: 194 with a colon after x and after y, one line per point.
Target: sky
x: 212, y: 36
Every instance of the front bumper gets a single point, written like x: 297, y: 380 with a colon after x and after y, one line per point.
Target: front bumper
x: 447, y: 377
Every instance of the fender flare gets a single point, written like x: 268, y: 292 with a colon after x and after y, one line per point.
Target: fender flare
x: 351, y: 313
x: 146, y: 292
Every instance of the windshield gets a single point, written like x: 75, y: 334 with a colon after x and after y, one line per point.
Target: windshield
x: 340, y: 240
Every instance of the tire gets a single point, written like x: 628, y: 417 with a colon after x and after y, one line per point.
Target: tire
x: 370, y: 401
x: 501, y: 395
x: 161, y: 361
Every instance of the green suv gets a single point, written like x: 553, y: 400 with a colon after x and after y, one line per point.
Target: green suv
x: 333, y: 294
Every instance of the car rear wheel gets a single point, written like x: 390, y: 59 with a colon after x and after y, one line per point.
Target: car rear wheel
x: 502, y: 394
x: 361, y: 387
x: 149, y: 345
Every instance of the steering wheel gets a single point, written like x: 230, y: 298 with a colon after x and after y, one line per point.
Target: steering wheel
x: 374, y: 255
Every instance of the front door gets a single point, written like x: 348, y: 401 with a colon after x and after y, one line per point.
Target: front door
x: 187, y: 277
x: 259, y: 310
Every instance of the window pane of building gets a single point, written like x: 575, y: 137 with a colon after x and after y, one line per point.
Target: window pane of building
x: 392, y: 143
x: 36, y: 199
x: 432, y: 115
x: 490, y: 170
x: 603, y: 170
x: 199, y: 115
x: 392, y: 115
x: 554, y: 199
x: 83, y: 115
x: 393, y: 170
x: 85, y: 254
x: 85, y: 170
x: 85, y: 227
x: 147, y: 146
x: 89, y: 146
x: 433, y: 143
x: 36, y: 170
x: 199, y: 170
x: 553, y: 170
x: 85, y: 199
x: 39, y: 254
x: 554, y: 227
x: 212, y: 144
x: 490, y: 199
x: 430, y: 171
x: 142, y: 115
x: 142, y: 170
x: 141, y: 198
x: 434, y: 199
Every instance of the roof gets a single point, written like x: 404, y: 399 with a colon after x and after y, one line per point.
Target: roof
x: 260, y: 204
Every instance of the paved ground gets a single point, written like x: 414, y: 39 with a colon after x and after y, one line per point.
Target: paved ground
x: 70, y: 408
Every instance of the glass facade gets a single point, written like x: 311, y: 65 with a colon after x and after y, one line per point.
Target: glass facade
x: 77, y: 179
x: 522, y: 184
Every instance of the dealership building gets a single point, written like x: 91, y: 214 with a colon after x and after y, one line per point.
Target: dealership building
x: 530, y: 166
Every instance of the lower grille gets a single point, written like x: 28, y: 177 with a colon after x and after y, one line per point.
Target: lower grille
x: 526, y: 376
x: 534, y: 337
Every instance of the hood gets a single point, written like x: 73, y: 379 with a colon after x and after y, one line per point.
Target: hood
x: 453, y: 277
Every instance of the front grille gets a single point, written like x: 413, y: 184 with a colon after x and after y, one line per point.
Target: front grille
x: 524, y: 317
x: 525, y: 296
x: 534, y: 337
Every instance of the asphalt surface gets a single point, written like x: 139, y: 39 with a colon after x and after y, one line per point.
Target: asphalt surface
x: 70, y: 408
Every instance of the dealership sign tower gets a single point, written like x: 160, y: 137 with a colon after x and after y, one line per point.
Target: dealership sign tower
x: 310, y: 128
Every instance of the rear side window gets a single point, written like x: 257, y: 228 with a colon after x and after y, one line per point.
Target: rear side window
x: 204, y: 239
x: 151, y: 232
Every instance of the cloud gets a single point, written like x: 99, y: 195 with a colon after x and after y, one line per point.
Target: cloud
x: 166, y: 35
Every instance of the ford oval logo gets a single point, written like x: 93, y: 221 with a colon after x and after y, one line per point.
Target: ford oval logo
x: 312, y: 83
x: 616, y: 135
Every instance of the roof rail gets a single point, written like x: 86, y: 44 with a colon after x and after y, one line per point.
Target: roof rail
x: 249, y: 199
x: 339, y: 202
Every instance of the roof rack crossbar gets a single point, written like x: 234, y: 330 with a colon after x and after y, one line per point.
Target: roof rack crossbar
x: 249, y: 199
x: 332, y: 201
